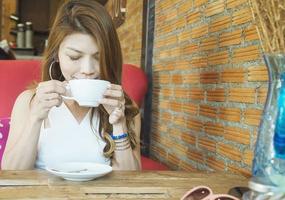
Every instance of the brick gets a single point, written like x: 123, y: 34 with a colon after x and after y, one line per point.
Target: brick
x: 246, y: 54
x: 175, y: 106
x: 219, y: 24
x: 158, y: 151
x: 166, y: 116
x: 180, y: 22
x: 163, y: 5
x: 165, y: 92
x: 215, y: 8
x: 198, y: 61
x: 199, y: 31
x: 184, y: 36
x: 230, y: 38
x: 209, y: 77
x: 239, y: 135
x: 251, y: 33
x: 182, y: 65
x: 229, y: 151
x: 208, y: 111
x: 252, y: 116
x: 218, y: 58
x: 173, y: 160
x: 198, y: 3
x: 214, y: 129
x: 235, y: 3
x: 161, y: 78
x: 190, y: 108
x: 189, y: 49
x: 194, y: 124
x: 195, y: 155
x: 248, y: 157
x: 181, y: 93
x: 215, y: 164
x: 243, y: 95
x: 167, y: 41
x: 185, y: 7
x: 173, y: 133
x: 230, y: 114
x: 261, y: 95
x: 209, y: 44
x: 171, y: 14
x: 216, y: 95
x: 182, y: 150
x: 179, y: 121
x: 233, y: 76
x: 207, y: 144
x: 164, y: 105
x: 188, y: 138
x: 238, y: 170
x: 177, y: 79
x: 257, y: 73
x: 191, y: 78
x: 196, y: 94
x: 242, y: 16
x: 193, y: 17
x: 187, y: 166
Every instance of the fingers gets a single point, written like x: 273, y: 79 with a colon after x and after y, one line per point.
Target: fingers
x: 115, y: 116
x: 112, y: 102
x: 115, y: 91
x: 52, y: 86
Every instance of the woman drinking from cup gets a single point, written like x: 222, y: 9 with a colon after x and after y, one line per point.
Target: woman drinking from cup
x: 48, y: 126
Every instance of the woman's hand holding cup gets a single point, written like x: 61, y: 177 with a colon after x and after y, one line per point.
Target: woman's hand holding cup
x: 47, y: 95
x: 114, y: 103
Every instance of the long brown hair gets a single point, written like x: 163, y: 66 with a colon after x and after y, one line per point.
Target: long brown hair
x: 89, y: 17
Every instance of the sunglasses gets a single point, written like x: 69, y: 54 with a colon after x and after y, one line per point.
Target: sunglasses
x: 205, y: 193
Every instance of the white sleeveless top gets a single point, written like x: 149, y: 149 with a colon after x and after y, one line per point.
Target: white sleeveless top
x: 68, y: 141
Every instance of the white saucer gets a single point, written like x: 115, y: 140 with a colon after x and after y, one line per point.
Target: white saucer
x: 79, y: 171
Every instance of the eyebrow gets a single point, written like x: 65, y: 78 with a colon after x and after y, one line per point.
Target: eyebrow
x: 78, y: 51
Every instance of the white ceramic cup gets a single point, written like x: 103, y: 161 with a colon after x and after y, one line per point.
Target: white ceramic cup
x: 87, y: 92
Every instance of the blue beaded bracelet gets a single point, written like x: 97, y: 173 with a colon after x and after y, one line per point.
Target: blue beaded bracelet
x: 117, y: 137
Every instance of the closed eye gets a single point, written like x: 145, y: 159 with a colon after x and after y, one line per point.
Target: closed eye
x: 74, y: 57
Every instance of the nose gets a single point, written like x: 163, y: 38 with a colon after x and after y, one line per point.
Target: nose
x: 88, y: 69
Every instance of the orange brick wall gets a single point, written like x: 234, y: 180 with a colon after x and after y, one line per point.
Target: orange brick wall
x: 210, y: 85
x: 130, y: 32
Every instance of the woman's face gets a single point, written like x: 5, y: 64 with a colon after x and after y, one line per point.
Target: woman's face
x: 79, y: 57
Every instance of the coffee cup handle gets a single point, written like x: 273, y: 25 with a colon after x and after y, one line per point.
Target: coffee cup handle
x: 67, y: 87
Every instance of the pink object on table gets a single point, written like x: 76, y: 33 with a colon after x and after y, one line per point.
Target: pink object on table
x: 4, y: 131
x: 205, y: 193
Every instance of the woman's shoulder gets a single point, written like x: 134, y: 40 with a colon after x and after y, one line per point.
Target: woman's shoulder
x: 25, y: 96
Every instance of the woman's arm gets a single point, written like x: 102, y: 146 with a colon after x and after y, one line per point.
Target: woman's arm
x: 29, y: 111
x: 21, y: 147
x: 128, y: 159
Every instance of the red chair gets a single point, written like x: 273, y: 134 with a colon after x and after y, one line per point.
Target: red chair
x: 15, y: 76
x: 134, y: 83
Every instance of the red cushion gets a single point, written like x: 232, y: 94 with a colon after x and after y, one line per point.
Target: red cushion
x: 149, y: 164
x: 134, y: 82
x: 15, y: 76
x: 4, y: 130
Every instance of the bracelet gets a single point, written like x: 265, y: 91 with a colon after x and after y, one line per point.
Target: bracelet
x: 117, y: 137
x: 121, y: 148
x: 125, y: 140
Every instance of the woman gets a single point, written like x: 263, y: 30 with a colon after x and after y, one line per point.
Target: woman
x: 47, y: 129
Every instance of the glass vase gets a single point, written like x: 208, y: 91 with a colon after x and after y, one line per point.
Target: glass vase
x: 269, y: 156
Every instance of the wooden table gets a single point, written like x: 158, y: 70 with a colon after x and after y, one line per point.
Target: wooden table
x: 37, y: 184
